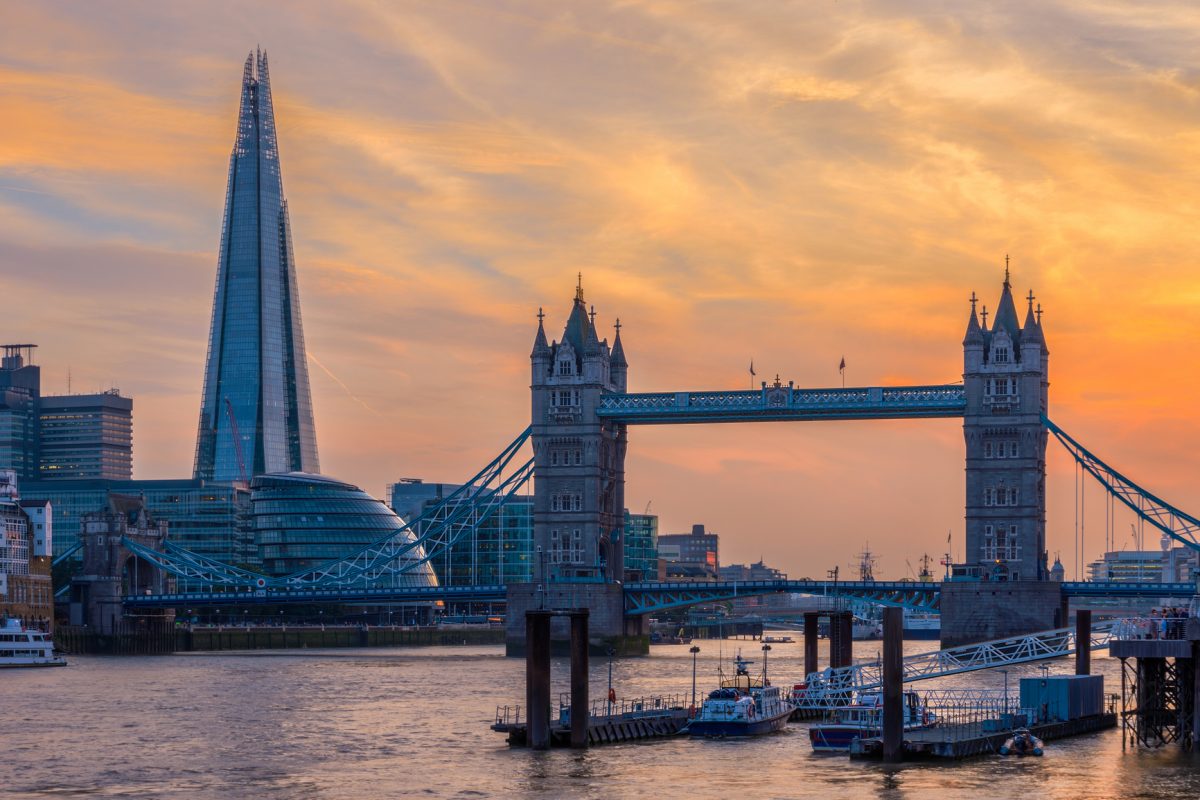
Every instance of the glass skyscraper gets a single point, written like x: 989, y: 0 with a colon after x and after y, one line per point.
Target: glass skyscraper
x: 256, y: 413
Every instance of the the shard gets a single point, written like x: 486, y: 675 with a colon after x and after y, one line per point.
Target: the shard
x: 256, y: 413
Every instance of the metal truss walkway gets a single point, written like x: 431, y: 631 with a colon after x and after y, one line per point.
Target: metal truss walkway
x: 837, y: 687
x: 779, y: 402
x: 650, y: 598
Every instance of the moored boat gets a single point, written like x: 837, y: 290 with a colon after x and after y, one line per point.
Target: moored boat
x: 744, y: 705
x: 1022, y: 743
x: 24, y: 647
x: 777, y: 639
x: 864, y: 718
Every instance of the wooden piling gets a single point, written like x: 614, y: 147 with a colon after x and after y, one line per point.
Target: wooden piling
x: 893, y: 684
x: 811, y: 622
x: 579, y: 678
x: 1083, y: 641
x: 537, y: 677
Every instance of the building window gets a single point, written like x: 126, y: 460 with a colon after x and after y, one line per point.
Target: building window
x: 987, y: 449
x: 1012, y: 449
x: 564, y: 367
x: 578, y: 457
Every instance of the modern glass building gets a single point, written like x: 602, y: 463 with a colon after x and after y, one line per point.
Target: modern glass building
x: 209, y: 518
x: 86, y: 436
x: 641, y: 547
x: 302, y: 521
x: 20, y: 390
x: 496, y: 550
x: 256, y: 412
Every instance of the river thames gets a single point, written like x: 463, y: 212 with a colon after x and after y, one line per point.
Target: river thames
x: 413, y: 722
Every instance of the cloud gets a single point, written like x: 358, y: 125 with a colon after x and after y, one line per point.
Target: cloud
x: 785, y: 182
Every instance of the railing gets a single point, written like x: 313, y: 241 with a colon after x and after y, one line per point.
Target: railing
x: 508, y: 715
x: 1168, y: 627
x: 627, y: 707
x: 833, y: 688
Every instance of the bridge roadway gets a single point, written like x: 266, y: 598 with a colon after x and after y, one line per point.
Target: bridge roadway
x: 648, y: 597
x: 779, y: 402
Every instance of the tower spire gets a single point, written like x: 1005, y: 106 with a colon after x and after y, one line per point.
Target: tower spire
x: 579, y: 289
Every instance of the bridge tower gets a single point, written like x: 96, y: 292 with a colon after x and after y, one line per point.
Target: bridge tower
x: 579, y: 484
x: 1006, y: 378
x: 111, y: 571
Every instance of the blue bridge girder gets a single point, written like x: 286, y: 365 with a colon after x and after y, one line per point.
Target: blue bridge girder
x: 785, y: 403
x: 650, y: 597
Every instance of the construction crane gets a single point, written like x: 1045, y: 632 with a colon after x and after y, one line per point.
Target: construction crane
x: 237, y: 439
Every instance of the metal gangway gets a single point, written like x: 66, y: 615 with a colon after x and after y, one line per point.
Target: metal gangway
x: 832, y: 688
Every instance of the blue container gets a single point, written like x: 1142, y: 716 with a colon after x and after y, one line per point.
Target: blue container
x: 1060, y: 698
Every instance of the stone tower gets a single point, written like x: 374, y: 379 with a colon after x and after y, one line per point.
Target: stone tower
x: 578, y: 512
x: 1006, y: 376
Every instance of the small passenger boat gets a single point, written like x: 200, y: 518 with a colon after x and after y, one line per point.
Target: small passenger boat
x: 778, y: 639
x: 24, y: 647
x: 744, y: 705
x: 863, y: 719
x: 1022, y: 743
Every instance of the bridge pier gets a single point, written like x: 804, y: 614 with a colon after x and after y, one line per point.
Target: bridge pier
x: 608, y: 627
x: 537, y: 678
x: 893, y: 684
x: 841, y: 639
x: 1083, y: 642
x: 979, y: 611
x: 580, y: 714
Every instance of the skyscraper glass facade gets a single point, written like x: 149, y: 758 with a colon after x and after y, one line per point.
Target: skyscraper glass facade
x: 86, y: 436
x: 303, y: 521
x: 212, y: 519
x: 641, y: 547
x: 256, y: 413
x: 496, y: 550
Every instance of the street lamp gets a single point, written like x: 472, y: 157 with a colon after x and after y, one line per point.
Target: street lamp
x: 766, y: 648
x: 695, y: 649
x: 611, y: 653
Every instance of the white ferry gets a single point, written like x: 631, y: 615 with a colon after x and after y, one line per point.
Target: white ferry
x: 21, y: 647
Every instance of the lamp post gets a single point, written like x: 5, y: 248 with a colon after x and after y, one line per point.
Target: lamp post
x: 1004, y: 672
x: 611, y: 653
x: 695, y: 649
x: 766, y: 648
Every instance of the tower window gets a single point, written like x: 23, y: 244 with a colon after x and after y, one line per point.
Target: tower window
x: 565, y: 367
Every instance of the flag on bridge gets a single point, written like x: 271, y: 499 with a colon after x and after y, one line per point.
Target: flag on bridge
x: 842, y: 366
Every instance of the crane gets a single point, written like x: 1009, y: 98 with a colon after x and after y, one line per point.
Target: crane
x: 237, y: 438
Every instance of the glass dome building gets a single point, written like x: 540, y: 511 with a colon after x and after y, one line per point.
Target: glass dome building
x: 302, y: 521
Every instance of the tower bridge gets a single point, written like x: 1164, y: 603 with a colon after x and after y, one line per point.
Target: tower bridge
x: 580, y: 412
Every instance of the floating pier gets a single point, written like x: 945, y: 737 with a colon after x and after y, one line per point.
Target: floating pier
x: 618, y: 721
x: 963, y: 740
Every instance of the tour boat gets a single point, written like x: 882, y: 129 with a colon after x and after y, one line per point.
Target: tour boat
x: 777, y: 640
x: 21, y: 647
x: 864, y: 718
x: 744, y: 705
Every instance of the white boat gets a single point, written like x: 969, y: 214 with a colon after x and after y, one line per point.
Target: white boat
x: 744, y: 705
x: 864, y: 719
x: 23, y: 647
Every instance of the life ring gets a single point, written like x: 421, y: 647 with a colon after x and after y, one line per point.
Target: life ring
x: 612, y: 695
x: 691, y: 712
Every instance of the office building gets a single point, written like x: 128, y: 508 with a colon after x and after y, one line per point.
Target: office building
x: 495, y: 550
x: 690, y: 556
x: 641, y: 547
x: 25, y: 588
x: 20, y: 390
x: 304, y: 521
x: 256, y: 412
x: 86, y: 436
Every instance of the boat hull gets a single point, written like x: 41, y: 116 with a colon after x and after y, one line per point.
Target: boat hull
x: 730, y: 728
x: 837, y: 738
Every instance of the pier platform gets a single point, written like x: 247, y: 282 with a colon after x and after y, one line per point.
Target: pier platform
x: 957, y: 741
x: 625, y: 721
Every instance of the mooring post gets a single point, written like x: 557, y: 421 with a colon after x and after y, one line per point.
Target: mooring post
x: 835, y: 640
x: 537, y: 678
x: 1083, y: 641
x: 580, y: 717
x: 847, y: 626
x: 893, y: 684
x: 811, y: 622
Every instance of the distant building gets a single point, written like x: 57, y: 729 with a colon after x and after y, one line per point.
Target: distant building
x: 1171, y: 564
x: 757, y: 571
x: 641, y: 547
x: 498, y: 550
x: 86, y: 436
x: 690, y: 556
x: 256, y: 412
x: 25, y: 588
x: 20, y: 391
x: 63, y: 437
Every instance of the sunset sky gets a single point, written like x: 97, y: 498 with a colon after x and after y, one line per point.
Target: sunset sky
x: 784, y: 182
